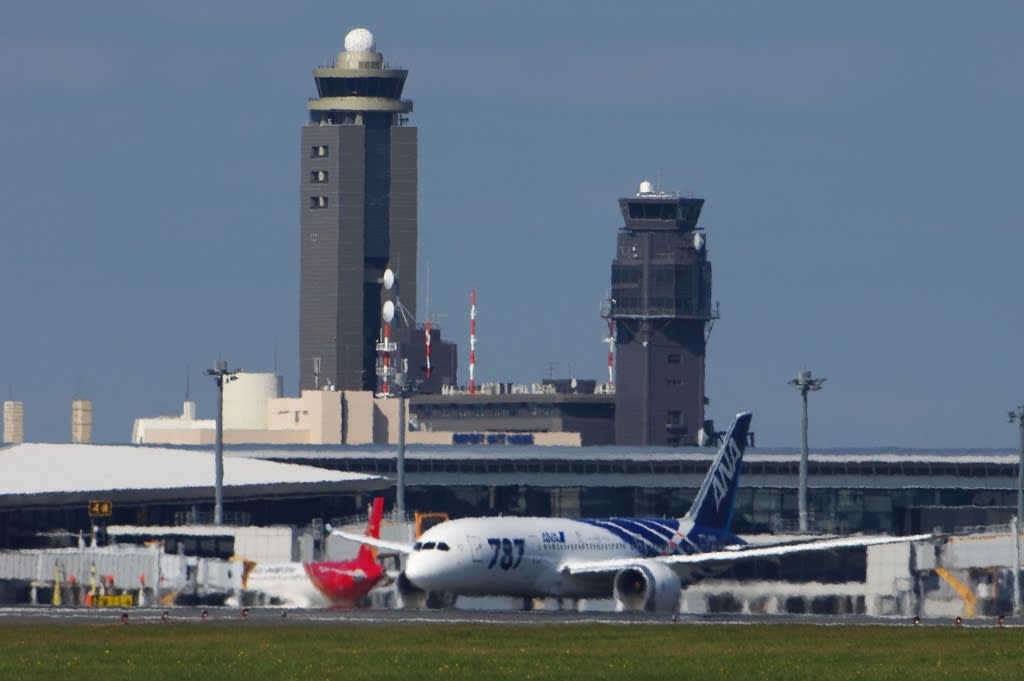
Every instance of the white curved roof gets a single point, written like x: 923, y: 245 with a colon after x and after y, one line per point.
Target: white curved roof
x: 59, y: 471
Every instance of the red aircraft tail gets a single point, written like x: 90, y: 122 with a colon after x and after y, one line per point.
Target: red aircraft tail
x: 367, y: 552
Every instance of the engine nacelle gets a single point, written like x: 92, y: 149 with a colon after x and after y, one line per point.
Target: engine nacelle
x: 409, y: 596
x: 648, y: 587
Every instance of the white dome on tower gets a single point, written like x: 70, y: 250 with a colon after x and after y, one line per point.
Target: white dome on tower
x: 360, y: 40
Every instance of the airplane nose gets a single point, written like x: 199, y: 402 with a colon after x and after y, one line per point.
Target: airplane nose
x: 424, y: 571
x: 416, y: 569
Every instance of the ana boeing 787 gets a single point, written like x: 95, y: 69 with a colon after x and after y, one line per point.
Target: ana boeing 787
x: 643, y: 563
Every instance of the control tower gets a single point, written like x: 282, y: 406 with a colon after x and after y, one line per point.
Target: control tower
x: 357, y: 214
x: 661, y: 306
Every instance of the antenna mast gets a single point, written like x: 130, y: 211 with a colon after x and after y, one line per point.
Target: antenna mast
x: 472, y: 340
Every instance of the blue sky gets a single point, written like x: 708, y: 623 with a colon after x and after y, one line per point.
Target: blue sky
x: 861, y: 165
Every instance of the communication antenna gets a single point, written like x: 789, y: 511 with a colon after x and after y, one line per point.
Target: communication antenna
x: 427, y: 350
x: 386, y: 347
x: 390, y: 282
x: 426, y: 296
x: 610, y: 340
x: 472, y: 340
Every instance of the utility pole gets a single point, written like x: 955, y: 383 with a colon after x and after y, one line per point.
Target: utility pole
x: 221, y: 375
x: 402, y: 385
x: 806, y: 384
x: 1018, y: 416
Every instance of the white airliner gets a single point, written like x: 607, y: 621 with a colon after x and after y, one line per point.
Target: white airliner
x: 643, y: 563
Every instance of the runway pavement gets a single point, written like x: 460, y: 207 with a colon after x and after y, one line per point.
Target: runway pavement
x: 233, y: 616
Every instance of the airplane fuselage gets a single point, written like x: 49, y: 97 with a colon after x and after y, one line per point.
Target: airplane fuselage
x: 312, y: 585
x: 524, y: 556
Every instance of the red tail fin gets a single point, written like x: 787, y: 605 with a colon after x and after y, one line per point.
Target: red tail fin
x: 367, y: 552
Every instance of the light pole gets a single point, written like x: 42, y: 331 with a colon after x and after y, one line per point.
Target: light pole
x: 806, y: 384
x: 1018, y: 416
x: 221, y: 375
x: 403, y: 387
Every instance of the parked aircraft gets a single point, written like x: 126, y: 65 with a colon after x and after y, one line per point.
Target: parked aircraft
x: 643, y: 563
x: 321, y: 584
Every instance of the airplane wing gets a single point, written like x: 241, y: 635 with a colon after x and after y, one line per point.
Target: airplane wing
x: 737, y: 553
x: 383, y: 544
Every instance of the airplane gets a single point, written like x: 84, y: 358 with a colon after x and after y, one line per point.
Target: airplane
x: 324, y: 583
x: 643, y: 563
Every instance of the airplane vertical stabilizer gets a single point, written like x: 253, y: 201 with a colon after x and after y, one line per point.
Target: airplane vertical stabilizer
x: 367, y: 552
x: 714, y: 503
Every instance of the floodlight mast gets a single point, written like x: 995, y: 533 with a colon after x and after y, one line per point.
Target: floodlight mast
x: 1018, y: 416
x: 221, y: 375
x: 404, y: 390
x: 806, y: 384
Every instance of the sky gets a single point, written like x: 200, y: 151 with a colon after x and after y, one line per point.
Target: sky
x: 861, y: 165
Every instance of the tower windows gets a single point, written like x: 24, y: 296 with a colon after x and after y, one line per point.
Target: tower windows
x: 318, y: 176
x: 316, y: 202
x: 319, y: 151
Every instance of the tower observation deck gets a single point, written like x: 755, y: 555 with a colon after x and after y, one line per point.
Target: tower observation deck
x: 661, y: 305
x: 358, y: 213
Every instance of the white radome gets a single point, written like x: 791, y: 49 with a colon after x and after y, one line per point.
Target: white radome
x: 360, y: 40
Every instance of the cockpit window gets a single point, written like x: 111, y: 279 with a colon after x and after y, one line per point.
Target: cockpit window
x: 428, y: 546
x: 417, y: 546
x: 441, y: 546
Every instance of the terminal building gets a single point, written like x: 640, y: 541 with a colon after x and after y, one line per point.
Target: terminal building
x: 875, y: 491
x: 897, y: 492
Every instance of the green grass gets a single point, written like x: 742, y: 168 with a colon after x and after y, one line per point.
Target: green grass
x: 215, y: 651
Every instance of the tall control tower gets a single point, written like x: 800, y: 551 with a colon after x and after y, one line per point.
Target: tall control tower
x: 358, y: 214
x: 661, y: 306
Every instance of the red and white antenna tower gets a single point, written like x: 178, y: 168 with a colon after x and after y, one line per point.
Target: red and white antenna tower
x: 427, y: 338
x: 610, y: 340
x: 472, y: 340
x: 386, y: 347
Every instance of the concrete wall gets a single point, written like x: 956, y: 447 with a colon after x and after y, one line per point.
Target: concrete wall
x: 317, y: 417
x: 358, y: 413
x: 317, y: 413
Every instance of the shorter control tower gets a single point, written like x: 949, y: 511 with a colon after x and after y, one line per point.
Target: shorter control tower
x: 661, y: 306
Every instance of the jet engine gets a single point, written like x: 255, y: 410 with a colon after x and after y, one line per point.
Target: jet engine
x: 647, y: 587
x: 409, y: 595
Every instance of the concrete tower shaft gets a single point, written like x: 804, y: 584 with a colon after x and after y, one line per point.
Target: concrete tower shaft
x: 661, y: 304
x: 358, y: 213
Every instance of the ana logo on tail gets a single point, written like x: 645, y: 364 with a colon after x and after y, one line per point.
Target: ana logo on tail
x: 725, y: 472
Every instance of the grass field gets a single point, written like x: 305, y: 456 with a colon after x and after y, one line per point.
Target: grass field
x: 216, y: 651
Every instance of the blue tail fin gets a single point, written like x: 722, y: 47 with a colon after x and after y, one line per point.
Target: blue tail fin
x: 717, y: 496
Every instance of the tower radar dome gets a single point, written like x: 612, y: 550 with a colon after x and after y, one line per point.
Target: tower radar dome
x: 646, y: 187
x: 360, y: 40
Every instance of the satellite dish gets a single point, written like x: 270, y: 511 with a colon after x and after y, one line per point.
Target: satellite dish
x: 389, y: 279
x: 698, y: 240
x: 389, y: 311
